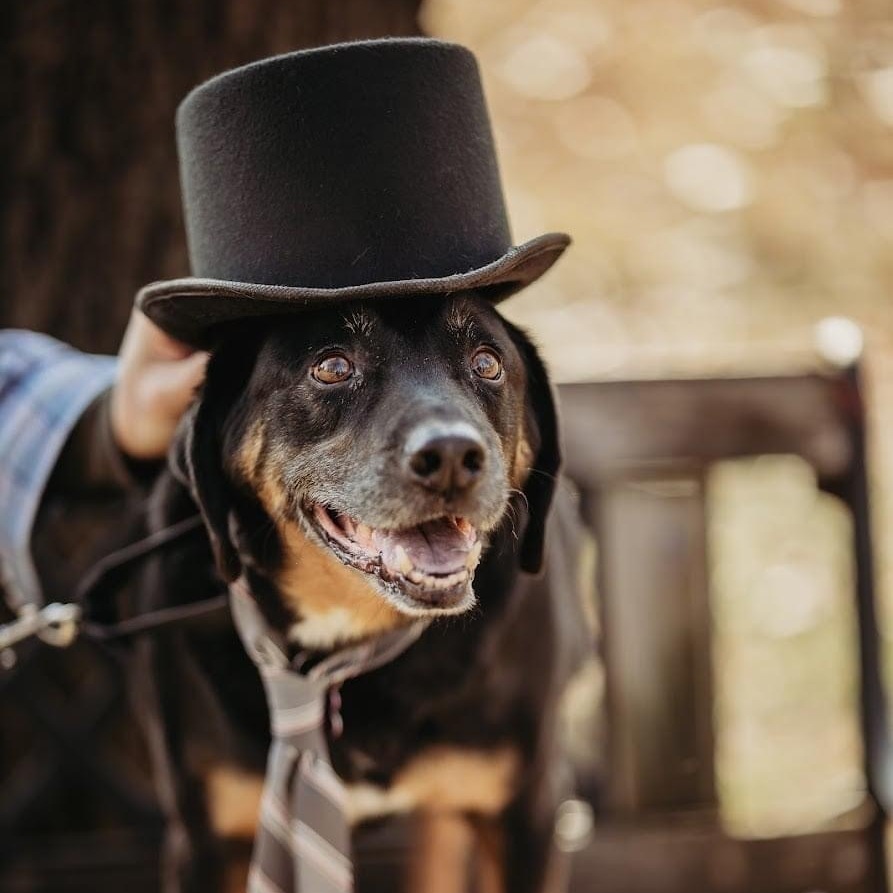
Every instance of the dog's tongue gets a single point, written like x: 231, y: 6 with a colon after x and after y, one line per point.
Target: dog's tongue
x: 435, y: 547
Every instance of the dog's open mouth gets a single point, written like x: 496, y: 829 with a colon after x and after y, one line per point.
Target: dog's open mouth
x: 432, y: 563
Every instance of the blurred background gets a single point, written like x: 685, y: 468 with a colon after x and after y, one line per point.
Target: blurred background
x: 726, y: 170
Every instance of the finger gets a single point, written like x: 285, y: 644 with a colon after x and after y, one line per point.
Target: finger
x: 144, y: 341
x: 171, y: 385
x: 160, y: 345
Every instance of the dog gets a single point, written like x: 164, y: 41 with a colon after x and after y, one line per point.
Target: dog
x: 365, y: 465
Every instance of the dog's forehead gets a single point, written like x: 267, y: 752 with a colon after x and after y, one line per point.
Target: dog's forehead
x: 459, y: 318
x: 455, y: 313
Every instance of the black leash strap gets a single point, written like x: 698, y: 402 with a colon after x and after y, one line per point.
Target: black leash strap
x: 131, y: 553
x: 154, y: 620
x: 60, y: 624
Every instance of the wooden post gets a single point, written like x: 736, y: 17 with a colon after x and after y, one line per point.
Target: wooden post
x: 656, y: 622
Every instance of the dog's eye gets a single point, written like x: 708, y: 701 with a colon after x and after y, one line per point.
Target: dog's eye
x: 332, y: 369
x: 486, y: 364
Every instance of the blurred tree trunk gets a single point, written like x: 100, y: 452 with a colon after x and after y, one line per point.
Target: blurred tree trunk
x: 91, y: 205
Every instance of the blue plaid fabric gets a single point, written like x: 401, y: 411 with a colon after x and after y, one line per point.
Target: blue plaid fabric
x: 45, y: 386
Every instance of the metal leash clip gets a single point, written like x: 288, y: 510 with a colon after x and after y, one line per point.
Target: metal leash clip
x: 56, y: 624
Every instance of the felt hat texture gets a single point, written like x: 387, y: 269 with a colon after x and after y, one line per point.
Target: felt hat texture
x: 359, y: 170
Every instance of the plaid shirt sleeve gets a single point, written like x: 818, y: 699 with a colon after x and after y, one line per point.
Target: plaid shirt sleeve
x: 45, y: 386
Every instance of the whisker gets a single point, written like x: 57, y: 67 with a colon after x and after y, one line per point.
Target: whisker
x: 510, y: 514
x: 521, y: 493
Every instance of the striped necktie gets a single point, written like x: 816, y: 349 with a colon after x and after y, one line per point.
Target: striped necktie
x: 303, y: 838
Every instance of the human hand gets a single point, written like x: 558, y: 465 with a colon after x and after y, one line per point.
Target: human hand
x: 157, y: 378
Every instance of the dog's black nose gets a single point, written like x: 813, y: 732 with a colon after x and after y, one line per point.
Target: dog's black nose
x: 448, y: 459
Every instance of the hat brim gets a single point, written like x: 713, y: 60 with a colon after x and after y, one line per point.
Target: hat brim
x: 192, y: 309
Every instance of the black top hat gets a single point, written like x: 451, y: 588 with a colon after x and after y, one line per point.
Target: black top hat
x: 350, y: 171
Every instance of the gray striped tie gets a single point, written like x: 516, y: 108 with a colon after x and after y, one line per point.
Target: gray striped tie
x: 303, y: 840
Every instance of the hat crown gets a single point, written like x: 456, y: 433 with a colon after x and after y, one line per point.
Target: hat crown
x: 349, y: 164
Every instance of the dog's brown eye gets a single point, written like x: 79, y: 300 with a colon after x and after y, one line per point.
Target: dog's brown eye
x: 487, y: 365
x: 333, y: 369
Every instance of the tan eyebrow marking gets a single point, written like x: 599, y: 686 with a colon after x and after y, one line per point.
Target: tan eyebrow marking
x: 459, y: 318
x: 359, y: 322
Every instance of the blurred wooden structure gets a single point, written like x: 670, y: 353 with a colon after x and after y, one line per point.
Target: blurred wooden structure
x: 89, y: 176
x: 640, y: 451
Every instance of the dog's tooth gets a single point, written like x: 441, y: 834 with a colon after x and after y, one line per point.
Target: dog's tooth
x: 473, y: 556
x: 416, y: 576
x: 451, y: 580
x: 403, y: 563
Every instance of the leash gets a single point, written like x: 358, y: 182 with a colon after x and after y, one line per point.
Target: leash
x: 59, y: 624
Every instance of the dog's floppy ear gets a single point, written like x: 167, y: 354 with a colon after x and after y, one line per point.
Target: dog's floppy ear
x: 197, y: 455
x: 542, y: 432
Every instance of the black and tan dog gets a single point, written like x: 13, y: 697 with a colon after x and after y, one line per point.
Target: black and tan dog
x: 366, y: 465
